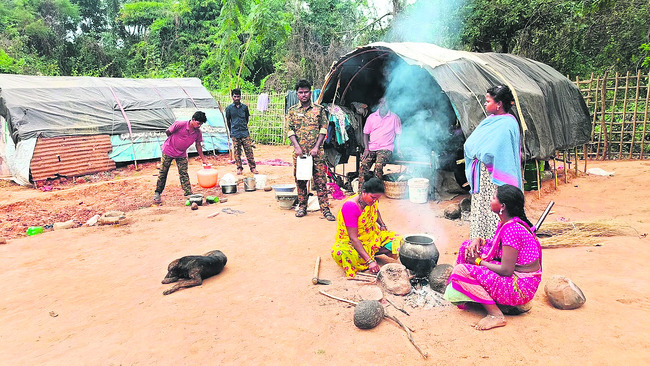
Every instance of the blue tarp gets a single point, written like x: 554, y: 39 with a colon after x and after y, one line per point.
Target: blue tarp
x: 147, y: 145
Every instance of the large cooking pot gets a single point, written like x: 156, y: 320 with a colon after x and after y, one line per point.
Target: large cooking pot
x: 419, y: 254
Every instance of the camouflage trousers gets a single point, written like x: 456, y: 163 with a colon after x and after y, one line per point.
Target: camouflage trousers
x: 245, y: 143
x: 319, y: 177
x: 379, y: 158
x: 181, y: 164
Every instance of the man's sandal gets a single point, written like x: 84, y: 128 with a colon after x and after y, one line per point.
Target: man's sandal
x: 301, y: 212
x: 329, y: 216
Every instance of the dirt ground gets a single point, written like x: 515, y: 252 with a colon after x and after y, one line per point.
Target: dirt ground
x: 92, y: 295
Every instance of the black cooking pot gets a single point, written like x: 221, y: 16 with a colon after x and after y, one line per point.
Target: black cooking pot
x: 419, y: 254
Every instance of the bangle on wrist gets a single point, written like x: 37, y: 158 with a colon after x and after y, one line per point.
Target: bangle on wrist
x: 478, y: 261
x: 370, y: 261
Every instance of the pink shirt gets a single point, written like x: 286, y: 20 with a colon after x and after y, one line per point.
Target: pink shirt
x: 181, y: 139
x: 382, y: 131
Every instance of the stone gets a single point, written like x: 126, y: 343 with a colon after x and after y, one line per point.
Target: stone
x: 93, y: 220
x: 452, y: 212
x: 3, y: 240
x: 439, y: 276
x: 516, y: 310
x: 63, y: 225
x: 111, y: 218
x: 368, y: 314
x: 371, y: 292
x: 194, y: 206
x: 394, y: 278
x: 563, y: 294
x: 466, y: 204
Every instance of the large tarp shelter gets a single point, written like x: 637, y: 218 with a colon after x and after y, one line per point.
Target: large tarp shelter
x: 548, y: 106
x: 133, y: 112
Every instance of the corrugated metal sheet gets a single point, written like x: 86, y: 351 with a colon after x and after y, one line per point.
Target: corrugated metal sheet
x: 71, y: 156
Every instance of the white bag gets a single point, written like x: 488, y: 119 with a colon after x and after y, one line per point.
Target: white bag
x: 304, y: 166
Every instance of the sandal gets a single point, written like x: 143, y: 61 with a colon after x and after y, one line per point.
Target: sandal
x: 301, y: 212
x: 329, y: 216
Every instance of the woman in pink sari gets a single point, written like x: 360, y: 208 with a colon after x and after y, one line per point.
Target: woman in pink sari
x: 504, y: 270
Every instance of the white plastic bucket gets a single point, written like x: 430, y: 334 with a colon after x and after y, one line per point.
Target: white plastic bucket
x: 304, y: 167
x: 418, y: 190
x: 260, y: 181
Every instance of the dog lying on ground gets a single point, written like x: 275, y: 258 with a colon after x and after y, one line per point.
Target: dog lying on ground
x: 191, y: 270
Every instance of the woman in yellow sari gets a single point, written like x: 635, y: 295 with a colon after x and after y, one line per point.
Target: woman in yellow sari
x: 361, y: 233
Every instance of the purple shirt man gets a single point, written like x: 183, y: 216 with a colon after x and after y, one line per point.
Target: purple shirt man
x: 181, y: 137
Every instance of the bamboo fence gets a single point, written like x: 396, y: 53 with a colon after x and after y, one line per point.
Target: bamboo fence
x: 265, y: 127
x: 618, y: 106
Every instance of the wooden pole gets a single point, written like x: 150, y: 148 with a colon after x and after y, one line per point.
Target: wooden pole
x: 593, y: 122
x: 565, y: 168
x: 611, y: 120
x: 225, y: 123
x: 554, y: 171
x: 634, y: 115
x: 645, y: 114
x: 627, y: 88
x: 576, y: 165
x: 603, y: 128
x: 539, y: 181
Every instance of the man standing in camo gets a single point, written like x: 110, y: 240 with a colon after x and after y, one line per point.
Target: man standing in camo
x: 237, y: 116
x: 180, y: 136
x: 307, y: 126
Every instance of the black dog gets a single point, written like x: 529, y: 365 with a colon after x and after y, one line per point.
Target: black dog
x: 194, y: 269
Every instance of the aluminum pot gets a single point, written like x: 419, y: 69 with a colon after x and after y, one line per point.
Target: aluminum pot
x: 419, y: 254
x: 229, y: 188
x: 249, y: 184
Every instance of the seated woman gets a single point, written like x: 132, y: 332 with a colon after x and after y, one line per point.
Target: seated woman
x: 361, y: 232
x: 504, y: 270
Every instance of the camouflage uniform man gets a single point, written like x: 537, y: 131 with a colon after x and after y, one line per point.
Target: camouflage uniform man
x: 307, y: 129
x: 180, y: 137
x: 237, y: 116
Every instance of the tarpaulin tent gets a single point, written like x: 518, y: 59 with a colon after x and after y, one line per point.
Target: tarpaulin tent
x: 548, y: 106
x: 133, y: 113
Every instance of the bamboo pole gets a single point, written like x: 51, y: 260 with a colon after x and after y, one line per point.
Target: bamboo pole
x: 593, y: 123
x: 576, y: 166
x: 602, y: 136
x: 554, y: 171
x: 627, y: 89
x: 634, y: 115
x: 645, y: 114
x: 539, y: 181
x: 565, y: 168
x: 611, y: 120
x: 585, y: 160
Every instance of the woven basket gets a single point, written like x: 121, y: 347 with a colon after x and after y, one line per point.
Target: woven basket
x: 396, y: 190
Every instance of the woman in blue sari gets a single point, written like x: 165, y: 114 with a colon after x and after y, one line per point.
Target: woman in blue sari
x: 492, y: 158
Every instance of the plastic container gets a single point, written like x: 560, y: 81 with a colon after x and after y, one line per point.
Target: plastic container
x: 207, y: 176
x: 530, y: 176
x: 418, y: 190
x: 304, y: 165
x: 34, y: 230
x: 260, y: 181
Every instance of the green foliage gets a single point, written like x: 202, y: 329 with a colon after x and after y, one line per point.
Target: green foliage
x: 270, y: 44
